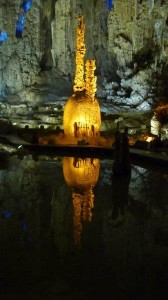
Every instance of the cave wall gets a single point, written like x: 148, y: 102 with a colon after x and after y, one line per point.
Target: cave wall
x: 19, y: 62
x: 129, y: 43
x: 64, y: 34
x: 138, y: 38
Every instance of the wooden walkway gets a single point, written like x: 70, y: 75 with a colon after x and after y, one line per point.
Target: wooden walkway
x: 143, y: 156
x: 150, y: 156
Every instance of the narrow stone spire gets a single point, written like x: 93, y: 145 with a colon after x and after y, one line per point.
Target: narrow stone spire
x: 91, y: 79
x: 79, y: 83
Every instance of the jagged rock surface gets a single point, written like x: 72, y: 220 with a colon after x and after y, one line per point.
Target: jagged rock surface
x: 129, y: 43
x: 138, y: 40
x: 19, y: 59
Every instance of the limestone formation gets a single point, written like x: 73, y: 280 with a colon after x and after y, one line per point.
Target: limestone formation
x: 79, y: 84
x: 20, y: 59
x: 91, y: 79
x: 129, y: 44
x: 82, y: 118
x: 138, y: 39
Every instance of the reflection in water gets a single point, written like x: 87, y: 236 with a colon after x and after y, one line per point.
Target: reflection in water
x: 124, y: 247
x: 81, y: 175
x: 120, y: 198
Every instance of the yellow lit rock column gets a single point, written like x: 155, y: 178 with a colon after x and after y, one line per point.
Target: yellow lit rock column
x: 91, y: 79
x: 79, y: 83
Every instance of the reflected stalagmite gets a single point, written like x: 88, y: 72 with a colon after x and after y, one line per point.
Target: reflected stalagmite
x: 81, y: 175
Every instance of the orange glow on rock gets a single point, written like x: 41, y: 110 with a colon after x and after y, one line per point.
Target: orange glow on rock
x: 82, y: 117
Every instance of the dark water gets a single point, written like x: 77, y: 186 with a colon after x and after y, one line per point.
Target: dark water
x: 68, y: 230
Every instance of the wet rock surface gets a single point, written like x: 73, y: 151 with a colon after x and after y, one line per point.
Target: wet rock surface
x: 128, y: 42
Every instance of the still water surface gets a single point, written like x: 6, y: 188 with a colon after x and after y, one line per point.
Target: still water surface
x: 69, y: 230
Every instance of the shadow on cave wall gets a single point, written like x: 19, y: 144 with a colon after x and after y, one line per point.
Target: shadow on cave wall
x: 47, y: 15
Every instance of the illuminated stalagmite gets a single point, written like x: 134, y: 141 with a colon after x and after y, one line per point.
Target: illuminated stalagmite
x: 79, y: 83
x: 82, y: 118
x: 90, y: 79
x: 155, y: 125
x: 81, y: 175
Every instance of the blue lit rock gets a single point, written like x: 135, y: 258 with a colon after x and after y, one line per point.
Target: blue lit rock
x: 3, y: 36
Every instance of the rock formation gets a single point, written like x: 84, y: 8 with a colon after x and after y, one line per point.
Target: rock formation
x: 129, y: 44
x: 20, y: 59
x: 82, y: 118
